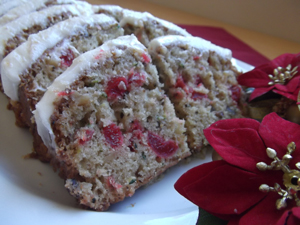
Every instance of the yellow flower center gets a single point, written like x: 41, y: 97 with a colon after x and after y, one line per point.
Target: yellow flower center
x: 291, y: 178
x: 281, y: 75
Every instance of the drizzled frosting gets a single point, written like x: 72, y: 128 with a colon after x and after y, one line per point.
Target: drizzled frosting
x: 45, y: 107
x: 139, y: 18
x: 113, y: 10
x: 195, y: 42
x: 15, y: 63
x: 30, y: 6
x: 126, y: 16
x: 15, y: 27
x: 6, y: 6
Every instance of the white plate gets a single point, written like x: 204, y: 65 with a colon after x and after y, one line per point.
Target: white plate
x: 31, y: 193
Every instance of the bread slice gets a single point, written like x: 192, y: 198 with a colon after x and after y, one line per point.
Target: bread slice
x: 31, y: 6
x: 200, y: 80
x: 108, y: 125
x: 111, y: 10
x: 143, y: 25
x: 17, y: 31
x: 45, y: 55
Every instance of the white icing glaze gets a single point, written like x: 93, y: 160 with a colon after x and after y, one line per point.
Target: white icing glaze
x: 6, y: 6
x: 196, y: 42
x: 15, y: 63
x: 15, y: 27
x: 115, y: 10
x: 3, y: 1
x: 45, y: 107
x: 139, y: 18
x: 28, y: 7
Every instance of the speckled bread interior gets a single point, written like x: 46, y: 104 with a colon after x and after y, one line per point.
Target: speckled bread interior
x: 128, y: 115
x: 201, y: 84
x: 54, y: 61
x: 17, y: 31
x: 115, y: 130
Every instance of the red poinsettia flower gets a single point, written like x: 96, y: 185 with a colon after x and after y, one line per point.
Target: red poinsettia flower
x: 244, y: 188
x: 281, y: 75
x: 290, y: 217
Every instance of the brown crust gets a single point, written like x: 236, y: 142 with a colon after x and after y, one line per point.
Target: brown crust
x: 40, y: 151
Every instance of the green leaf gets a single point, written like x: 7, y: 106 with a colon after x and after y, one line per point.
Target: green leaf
x: 206, y: 218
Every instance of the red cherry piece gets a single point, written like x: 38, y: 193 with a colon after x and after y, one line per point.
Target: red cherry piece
x: 196, y: 57
x: 113, y: 183
x: 235, y: 92
x: 113, y: 135
x: 198, y: 80
x: 178, y: 95
x: 137, y: 134
x: 116, y: 88
x: 136, y: 79
x: 180, y: 83
x: 85, y: 135
x: 67, y: 92
x: 146, y: 58
x: 99, y: 56
x: 160, y: 146
x: 67, y: 58
x: 198, y: 96
x: 136, y: 126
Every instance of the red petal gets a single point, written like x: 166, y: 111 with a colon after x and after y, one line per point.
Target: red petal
x: 292, y: 96
x: 292, y: 220
x: 234, y: 222
x: 290, y: 90
x: 291, y: 86
x: 283, y: 60
x: 194, y: 174
x: 223, y: 190
x: 259, y: 92
x: 263, y: 213
x: 282, y: 220
x: 290, y: 217
x: 268, y: 68
x: 296, y: 212
x: 296, y: 61
x: 254, y: 78
x: 242, y: 147
x: 229, y: 124
x: 277, y: 133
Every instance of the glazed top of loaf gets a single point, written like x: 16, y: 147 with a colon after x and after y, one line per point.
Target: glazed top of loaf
x: 195, y: 42
x: 15, y: 63
x: 15, y: 27
x: 45, y: 107
x: 114, y: 10
x: 139, y: 18
x: 28, y: 7
x: 6, y: 6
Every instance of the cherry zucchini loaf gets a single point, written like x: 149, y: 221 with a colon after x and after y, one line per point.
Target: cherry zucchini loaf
x: 30, y: 69
x: 147, y: 27
x: 31, y: 6
x: 142, y: 24
x: 111, y: 10
x: 108, y: 125
x: 200, y: 80
x: 16, y: 32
